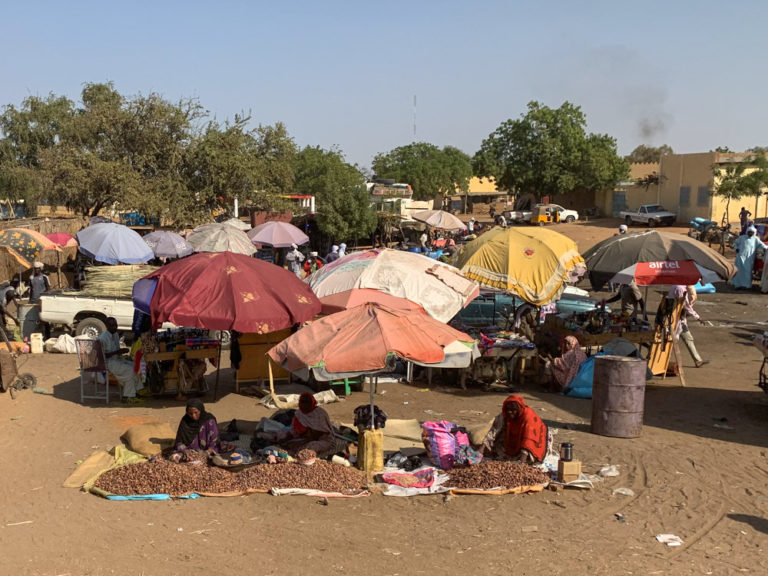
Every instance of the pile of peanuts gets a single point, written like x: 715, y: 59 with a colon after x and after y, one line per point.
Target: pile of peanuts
x: 495, y: 474
x: 164, y: 477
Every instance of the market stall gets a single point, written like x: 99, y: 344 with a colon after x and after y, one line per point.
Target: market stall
x: 175, y: 360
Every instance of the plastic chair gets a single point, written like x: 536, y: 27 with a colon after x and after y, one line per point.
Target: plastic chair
x: 92, y: 366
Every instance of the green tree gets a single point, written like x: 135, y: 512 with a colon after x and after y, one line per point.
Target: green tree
x: 737, y: 177
x: 548, y: 152
x: 429, y: 170
x: 344, y: 210
x: 27, y: 131
x: 645, y: 154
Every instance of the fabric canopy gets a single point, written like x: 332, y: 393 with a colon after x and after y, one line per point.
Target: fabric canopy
x: 614, y: 254
x: 439, y: 219
x: 225, y: 291
x: 532, y: 262
x: 437, y: 287
x: 113, y: 243
x: 362, y: 340
x: 277, y: 234
x: 669, y: 272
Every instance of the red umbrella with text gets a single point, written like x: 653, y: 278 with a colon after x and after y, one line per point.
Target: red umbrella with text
x: 669, y: 272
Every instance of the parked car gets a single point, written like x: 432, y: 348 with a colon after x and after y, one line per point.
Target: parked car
x: 650, y: 214
x: 565, y: 214
x: 492, y: 307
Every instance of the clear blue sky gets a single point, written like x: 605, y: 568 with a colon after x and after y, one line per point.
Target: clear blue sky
x: 686, y: 73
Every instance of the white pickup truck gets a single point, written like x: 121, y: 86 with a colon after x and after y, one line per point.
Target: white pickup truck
x: 650, y: 214
x: 85, y: 314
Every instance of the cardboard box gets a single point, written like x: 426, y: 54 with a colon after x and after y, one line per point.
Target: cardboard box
x: 568, y: 471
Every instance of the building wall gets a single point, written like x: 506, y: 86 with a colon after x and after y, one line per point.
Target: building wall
x: 686, y: 185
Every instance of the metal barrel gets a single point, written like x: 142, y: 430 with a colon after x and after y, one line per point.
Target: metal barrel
x: 618, y: 396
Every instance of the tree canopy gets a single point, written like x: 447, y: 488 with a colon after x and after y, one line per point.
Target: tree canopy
x: 548, y: 152
x: 429, y: 170
x: 344, y: 205
x: 645, y: 154
x: 141, y: 153
x: 739, y: 177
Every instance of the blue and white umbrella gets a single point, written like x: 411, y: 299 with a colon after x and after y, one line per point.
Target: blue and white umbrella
x: 113, y: 243
x: 166, y: 244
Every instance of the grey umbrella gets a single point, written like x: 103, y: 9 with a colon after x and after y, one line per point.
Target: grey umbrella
x: 614, y: 254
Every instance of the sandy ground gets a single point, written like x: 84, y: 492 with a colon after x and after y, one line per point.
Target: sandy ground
x: 698, y: 470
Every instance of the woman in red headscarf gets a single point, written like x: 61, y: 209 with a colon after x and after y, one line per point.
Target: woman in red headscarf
x: 517, y: 433
x: 311, y: 428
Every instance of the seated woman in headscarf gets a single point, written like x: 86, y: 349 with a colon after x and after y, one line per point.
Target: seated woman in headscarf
x: 311, y: 428
x: 565, y: 368
x: 198, y: 433
x: 517, y: 433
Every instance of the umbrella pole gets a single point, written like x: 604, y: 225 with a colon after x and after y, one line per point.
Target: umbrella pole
x: 218, y: 371
x: 58, y: 268
x: 370, y: 384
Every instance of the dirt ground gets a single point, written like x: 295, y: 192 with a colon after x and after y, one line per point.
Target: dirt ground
x: 698, y: 470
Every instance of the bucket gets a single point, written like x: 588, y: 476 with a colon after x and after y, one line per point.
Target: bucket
x: 36, y: 343
x: 370, y: 450
x: 29, y: 319
x: 618, y: 396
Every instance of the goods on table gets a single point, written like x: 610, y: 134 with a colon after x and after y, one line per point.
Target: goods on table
x: 598, y: 321
x: 163, y: 477
x: 496, y: 474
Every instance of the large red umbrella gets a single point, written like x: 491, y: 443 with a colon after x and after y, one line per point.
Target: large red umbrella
x: 225, y: 291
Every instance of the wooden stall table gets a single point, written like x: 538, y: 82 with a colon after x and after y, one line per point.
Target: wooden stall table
x: 254, y: 365
x: 556, y: 328
x: 178, y: 378
x: 512, y: 358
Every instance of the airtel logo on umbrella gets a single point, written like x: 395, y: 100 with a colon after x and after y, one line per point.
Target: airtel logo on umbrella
x: 669, y: 265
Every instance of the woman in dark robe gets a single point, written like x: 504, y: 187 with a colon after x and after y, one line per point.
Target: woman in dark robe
x: 198, y: 432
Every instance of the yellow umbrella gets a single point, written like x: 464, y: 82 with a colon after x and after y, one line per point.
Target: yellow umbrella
x: 533, y: 263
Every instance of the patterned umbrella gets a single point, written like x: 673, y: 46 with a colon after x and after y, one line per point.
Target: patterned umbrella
x: 220, y: 238
x: 438, y: 288
x: 26, y: 242
x: 225, y: 291
x: 533, y: 262
x: 62, y: 239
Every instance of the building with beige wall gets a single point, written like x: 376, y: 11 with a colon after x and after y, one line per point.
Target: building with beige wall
x: 685, y: 184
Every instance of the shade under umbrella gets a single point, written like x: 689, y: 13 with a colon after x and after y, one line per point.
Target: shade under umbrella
x: 225, y: 291
x: 113, y: 243
x: 533, y: 262
x: 29, y: 243
x: 277, y: 235
x: 62, y: 239
x: 616, y: 253
x: 439, y: 219
x: 220, y: 238
x: 437, y: 287
x: 366, y: 339
x: 668, y: 272
x: 166, y: 244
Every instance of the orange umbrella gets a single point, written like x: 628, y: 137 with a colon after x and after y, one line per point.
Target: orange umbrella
x: 351, y: 298
x: 366, y: 340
